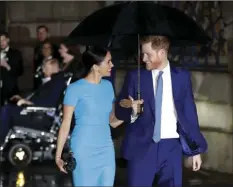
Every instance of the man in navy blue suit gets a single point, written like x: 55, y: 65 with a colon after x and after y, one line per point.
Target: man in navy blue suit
x: 157, y: 138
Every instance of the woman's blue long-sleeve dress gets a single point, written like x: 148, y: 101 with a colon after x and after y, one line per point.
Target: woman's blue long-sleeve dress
x: 91, y: 140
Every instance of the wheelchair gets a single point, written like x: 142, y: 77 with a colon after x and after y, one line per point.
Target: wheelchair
x: 24, y: 143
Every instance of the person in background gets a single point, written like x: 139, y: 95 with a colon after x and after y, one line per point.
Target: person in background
x: 42, y: 32
x: 71, y: 57
x: 42, y: 36
x: 11, y: 67
x: 48, y: 53
x: 47, y: 95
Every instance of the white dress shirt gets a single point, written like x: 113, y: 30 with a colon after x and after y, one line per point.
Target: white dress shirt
x: 168, y: 111
x: 3, y: 53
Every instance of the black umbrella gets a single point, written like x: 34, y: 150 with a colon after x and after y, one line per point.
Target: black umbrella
x: 121, y: 25
x: 138, y: 17
x: 96, y: 29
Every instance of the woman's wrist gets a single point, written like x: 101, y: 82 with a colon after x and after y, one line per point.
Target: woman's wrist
x: 57, y: 157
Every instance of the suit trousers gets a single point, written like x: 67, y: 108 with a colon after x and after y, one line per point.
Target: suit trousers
x: 162, y: 164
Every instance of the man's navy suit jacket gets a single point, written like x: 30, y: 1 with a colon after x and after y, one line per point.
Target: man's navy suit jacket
x: 138, y: 135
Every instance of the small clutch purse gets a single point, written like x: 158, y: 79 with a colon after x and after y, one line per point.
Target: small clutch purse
x: 70, y: 162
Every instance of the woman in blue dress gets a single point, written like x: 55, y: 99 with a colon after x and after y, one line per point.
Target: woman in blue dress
x: 91, y: 99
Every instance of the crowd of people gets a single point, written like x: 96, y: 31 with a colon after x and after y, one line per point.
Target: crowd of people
x: 12, y: 66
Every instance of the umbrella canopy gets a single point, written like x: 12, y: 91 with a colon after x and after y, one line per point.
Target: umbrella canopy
x: 127, y: 20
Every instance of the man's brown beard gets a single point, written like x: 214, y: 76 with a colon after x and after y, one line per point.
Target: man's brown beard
x: 156, y: 65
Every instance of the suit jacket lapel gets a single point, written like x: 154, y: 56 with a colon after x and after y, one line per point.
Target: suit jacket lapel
x: 150, y: 90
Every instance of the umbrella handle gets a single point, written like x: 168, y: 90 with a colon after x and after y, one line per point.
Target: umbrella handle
x: 139, y: 73
x: 139, y: 79
x: 141, y: 109
x: 141, y: 105
x: 138, y: 95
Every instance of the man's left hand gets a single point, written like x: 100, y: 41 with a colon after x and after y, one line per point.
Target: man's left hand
x: 196, y: 162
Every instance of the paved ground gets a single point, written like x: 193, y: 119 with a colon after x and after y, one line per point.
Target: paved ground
x: 46, y: 175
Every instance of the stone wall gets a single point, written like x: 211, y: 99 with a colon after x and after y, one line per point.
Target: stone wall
x: 214, y: 99
x: 213, y: 93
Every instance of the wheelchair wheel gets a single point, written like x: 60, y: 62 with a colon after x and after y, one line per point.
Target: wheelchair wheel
x: 20, y: 155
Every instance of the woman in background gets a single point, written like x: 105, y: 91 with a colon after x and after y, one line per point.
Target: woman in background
x: 71, y: 57
x: 91, y: 99
x: 47, y: 51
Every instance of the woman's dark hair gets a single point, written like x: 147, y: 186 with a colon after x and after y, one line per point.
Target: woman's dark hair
x: 93, y: 55
x: 52, y: 46
x: 73, y: 49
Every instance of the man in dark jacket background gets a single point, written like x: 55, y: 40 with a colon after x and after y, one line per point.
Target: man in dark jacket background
x: 11, y: 67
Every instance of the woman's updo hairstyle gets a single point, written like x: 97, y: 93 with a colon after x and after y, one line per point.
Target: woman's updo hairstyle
x: 92, y: 56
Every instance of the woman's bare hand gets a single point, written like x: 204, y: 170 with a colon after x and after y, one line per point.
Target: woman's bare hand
x: 60, y: 164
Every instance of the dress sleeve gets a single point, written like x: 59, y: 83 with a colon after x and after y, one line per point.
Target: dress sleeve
x: 71, y: 95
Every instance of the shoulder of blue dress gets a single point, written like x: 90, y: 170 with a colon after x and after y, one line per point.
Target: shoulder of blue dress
x: 76, y: 83
x: 106, y: 82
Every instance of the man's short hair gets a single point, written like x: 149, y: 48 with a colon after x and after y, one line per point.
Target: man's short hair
x: 157, y: 42
x: 42, y: 27
x: 52, y: 61
x: 4, y: 33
